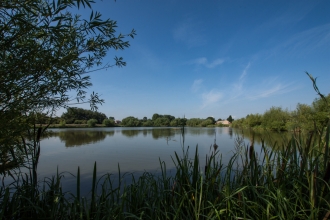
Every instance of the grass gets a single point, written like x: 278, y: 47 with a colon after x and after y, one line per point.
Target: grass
x: 291, y: 182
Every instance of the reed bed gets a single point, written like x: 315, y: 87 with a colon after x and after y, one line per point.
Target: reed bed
x: 291, y: 182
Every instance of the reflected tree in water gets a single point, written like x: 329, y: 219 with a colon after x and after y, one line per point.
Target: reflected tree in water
x: 269, y: 138
x: 163, y: 133
x: 130, y: 133
x: 75, y: 138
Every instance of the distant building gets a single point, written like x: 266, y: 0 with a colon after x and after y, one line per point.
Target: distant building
x: 117, y: 122
x: 224, y: 122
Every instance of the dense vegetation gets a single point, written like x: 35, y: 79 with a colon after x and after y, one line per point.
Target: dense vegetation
x: 304, y: 117
x: 158, y: 120
x: 75, y: 115
x: 47, y: 52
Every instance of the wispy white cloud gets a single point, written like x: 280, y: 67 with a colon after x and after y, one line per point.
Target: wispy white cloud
x: 240, y: 90
x: 203, y: 61
x: 237, y: 88
x: 196, y: 85
x: 211, y: 97
x: 214, y: 63
x: 271, y: 89
x: 245, y: 71
x: 301, y: 43
x: 189, y: 32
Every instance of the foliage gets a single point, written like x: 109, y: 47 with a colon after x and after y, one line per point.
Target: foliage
x: 155, y: 116
x: 303, y: 118
x: 162, y: 122
x: 47, y: 53
x: 198, y: 122
x: 253, y: 120
x: 108, y: 123
x: 130, y: 122
x: 230, y: 119
x: 178, y: 122
x: 80, y: 122
x: 206, y: 123
x: 91, y: 122
x: 275, y: 119
x: 147, y: 123
x: 73, y: 113
x: 62, y: 123
x: 212, y: 119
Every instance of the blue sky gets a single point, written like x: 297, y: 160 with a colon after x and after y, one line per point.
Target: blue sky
x: 214, y: 58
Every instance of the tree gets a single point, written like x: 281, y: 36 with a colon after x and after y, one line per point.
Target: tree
x: 48, y: 51
x: 207, y: 122
x: 178, y: 122
x: 148, y: 123
x: 162, y: 122
x: 155, y: 116
x: 74, y: 114
x: 275, y: 119
x: 131, y: 122
x: 253, y: 120
x: 193, y: 122
x: 169, y: 117
x: 212, y: 119
x: 230, y: 119
x: 108, y: 123
x: 91, y: 122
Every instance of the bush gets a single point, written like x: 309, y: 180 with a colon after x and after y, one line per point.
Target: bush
x: 62, y: 123
x: 108, y: 123
x: 80, y: 121
x: 91, y: 122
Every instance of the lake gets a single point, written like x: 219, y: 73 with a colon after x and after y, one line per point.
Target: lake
x: 134, y: 150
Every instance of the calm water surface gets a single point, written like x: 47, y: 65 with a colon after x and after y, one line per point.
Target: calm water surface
x: 134, y: 150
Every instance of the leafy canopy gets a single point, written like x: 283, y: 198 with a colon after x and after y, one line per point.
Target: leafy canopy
x: 46, y: 53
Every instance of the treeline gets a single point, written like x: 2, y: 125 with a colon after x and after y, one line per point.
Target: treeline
x: 158, y: 120
x: 303, y: 118
x: 75, y: 115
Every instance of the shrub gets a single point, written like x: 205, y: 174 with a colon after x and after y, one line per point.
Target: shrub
x: 91, y: 122
x: 108, y: 123
x: 62, y: 123
x: 80, y: 121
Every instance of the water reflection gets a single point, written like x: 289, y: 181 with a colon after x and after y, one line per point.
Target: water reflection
x: 163, y: 133
x: 230, y: 132
x: 201, y: 131
x: 80, y: 137
x: 76, y: 138
x: 130, y: 133
x: 274, y: 140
